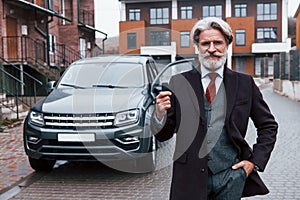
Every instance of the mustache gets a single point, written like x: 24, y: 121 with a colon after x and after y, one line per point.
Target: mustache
x: 217, y: 54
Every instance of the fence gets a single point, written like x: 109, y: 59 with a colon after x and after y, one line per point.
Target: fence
x: 287, y: 74
x: 287, y: 65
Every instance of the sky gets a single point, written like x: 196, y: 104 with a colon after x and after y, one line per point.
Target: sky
x: 107, y: 15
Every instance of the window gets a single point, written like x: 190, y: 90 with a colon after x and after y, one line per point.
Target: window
x: 184, y: 39
x: 134, y: 14
x: 266, y: 11
x: 212, y: 11
x: 186, y: 12
x: 63, y: 21
x: 131, y: 40
x: 240, y: 37
x: 260, y: 62
x: 160, y: 38
x: 267, y: 34
x: 82, y: 48
x: 152, y: 73
x: 52, y: 43
x: 240, y: 64
x: 159, y: 16
x: 50, y: 5
x: 240, y: 10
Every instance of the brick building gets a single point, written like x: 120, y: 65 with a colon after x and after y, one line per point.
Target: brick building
x: 162, y: 29
x: 297, y: 16
x: 43, y: 37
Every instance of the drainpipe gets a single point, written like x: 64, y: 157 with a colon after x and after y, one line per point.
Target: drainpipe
x: 103, y: 41
x: 78, y: 2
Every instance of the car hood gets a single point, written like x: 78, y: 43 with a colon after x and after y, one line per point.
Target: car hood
x: 99, y: 100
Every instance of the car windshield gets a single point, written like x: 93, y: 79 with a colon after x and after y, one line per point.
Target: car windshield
x: 99, y: 75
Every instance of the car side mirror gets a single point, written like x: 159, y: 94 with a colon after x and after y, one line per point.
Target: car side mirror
x: 157, y: 88
x: 50, y: 86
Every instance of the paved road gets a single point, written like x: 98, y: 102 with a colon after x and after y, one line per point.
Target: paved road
x: 282, y: 174
x: 13, y: 162
x: 95, y: 181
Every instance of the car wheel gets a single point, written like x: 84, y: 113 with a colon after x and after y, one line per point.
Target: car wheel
x: 41, y: 165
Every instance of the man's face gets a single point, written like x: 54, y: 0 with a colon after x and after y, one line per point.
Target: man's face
x: 212, y: 49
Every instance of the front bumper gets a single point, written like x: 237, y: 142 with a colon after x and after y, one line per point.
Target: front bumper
x: 110, y: 144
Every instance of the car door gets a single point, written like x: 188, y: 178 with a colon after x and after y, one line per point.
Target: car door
x: 161, y: 82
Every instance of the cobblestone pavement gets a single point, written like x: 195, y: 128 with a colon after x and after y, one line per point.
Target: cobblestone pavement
x: 13, y: 161
x: 282, y: 174
x: 95, y: 181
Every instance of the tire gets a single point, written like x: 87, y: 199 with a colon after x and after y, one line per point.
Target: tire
x: 41, y: 165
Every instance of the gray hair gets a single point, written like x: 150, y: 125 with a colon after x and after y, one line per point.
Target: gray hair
x: 214, y: 23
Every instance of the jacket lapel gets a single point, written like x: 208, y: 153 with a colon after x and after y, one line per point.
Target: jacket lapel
x: 194, y: 78
x: 231, y: 88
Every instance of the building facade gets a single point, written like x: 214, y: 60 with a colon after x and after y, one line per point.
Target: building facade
x: 43, y: 37
x: 297, y: 16
x: 162, y: 29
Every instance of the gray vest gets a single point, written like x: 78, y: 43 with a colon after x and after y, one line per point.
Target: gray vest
x: 221, y: 153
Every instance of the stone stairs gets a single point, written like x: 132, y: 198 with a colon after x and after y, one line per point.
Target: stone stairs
x: 8, y: 108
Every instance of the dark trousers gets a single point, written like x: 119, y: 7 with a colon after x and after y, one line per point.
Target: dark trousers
x: 226, y: 185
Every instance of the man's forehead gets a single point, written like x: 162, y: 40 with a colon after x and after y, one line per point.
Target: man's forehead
x: 211, y: 34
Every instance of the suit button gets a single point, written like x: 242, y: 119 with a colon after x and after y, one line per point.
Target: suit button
x: 202, y: 170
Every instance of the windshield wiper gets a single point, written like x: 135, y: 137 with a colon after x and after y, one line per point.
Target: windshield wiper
x: 110, y: 86
x: 73, y: 86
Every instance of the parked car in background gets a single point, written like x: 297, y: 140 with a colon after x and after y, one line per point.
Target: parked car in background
x: 98, y: 110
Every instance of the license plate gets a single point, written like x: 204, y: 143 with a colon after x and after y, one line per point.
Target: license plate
x: 90, y: 137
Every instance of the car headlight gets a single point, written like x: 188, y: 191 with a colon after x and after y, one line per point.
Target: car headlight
x: 127, y: 117
x: 36, y: 118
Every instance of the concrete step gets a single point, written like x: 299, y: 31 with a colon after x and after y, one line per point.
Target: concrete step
x: 4, y: 110
x: 7, y: 102
x: 2, y: 96
x: 13, y: 115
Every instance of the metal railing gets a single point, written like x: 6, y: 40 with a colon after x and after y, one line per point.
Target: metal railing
x: 24, y: 49
x: 86, y: 17
x: 14, y: 87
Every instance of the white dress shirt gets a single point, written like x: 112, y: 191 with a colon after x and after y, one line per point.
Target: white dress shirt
x: 205, y: 78
x: 205, y: 81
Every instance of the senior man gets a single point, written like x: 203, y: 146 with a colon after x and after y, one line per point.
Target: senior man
x: 209, y: 108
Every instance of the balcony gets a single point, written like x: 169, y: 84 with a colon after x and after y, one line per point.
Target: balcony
x: 272, y: 47
x: 86, y: 18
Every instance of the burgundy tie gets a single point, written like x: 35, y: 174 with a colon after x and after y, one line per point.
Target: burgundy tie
x: 211, y: 88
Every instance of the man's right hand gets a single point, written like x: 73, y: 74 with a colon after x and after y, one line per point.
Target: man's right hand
x: 163, y: 103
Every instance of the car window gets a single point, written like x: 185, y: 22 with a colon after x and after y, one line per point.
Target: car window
x: 162, y: 80
x: 153, y: 68
x: 101, y: 74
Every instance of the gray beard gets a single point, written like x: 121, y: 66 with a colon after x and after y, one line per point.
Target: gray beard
x: 212, y: 65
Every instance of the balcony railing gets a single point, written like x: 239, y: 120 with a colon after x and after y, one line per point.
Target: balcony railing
x: 86, y: 17
x: 35, y: 52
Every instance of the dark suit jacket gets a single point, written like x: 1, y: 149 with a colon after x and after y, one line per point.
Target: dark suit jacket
x: 186, y: 118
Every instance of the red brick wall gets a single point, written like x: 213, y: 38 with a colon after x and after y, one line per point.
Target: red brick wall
x: 251, y: 8
x: 137, y: 27
x: 298, y: 29
x: 243, y: 23
x: 1, y: 27
x: 179, y: 26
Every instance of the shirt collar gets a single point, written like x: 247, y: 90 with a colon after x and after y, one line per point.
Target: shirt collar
x: 205, y: 71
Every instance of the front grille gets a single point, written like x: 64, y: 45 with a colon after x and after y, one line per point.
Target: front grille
x: 78, y: 121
